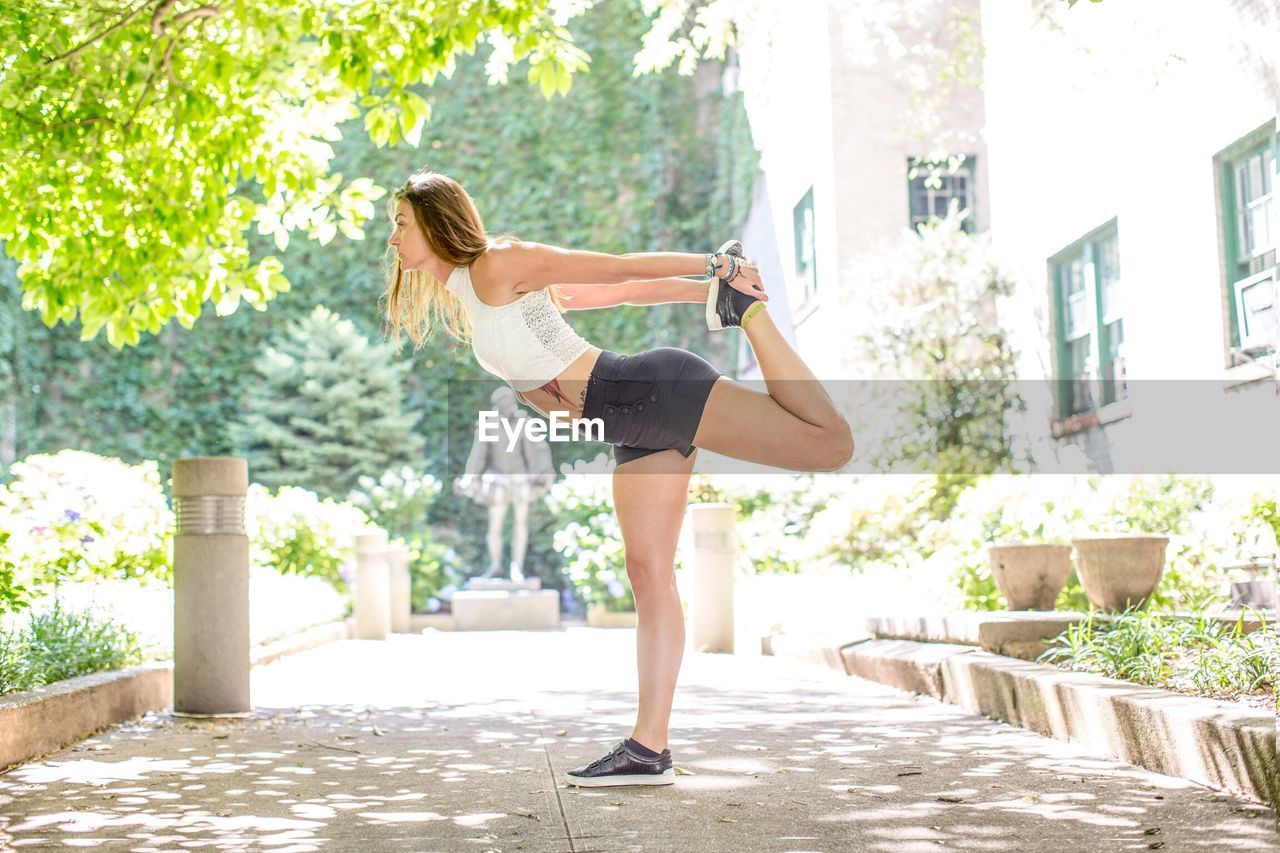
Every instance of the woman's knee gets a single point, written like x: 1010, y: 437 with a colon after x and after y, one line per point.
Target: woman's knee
x: 650, y: 576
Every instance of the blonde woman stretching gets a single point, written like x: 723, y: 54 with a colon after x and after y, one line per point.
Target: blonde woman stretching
x: 504, y: 298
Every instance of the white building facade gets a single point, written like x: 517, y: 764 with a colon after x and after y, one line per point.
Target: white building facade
x: 1123, y: 157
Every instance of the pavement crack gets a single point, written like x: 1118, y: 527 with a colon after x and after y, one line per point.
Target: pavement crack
x: 559, y: 802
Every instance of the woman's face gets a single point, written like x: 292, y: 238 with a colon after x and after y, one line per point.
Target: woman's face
x: 408, y: 240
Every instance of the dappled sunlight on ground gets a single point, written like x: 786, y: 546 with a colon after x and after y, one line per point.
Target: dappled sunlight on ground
x: 448, y: 742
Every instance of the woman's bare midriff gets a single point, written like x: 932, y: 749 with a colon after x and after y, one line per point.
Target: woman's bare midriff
x: 564, y: 394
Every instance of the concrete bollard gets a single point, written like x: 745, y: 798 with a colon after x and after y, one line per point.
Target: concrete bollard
x: 712, y: 564
x: 373, y: 586
x: 210, y: 587
x: 401, y: 588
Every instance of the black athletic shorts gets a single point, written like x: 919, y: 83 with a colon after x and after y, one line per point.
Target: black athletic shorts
x: 649, y: 402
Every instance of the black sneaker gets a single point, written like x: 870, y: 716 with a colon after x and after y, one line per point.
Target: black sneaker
x: 725, y: 305
x: 624, y: 767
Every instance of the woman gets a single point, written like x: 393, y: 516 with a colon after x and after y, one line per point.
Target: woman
x: 504, y: 298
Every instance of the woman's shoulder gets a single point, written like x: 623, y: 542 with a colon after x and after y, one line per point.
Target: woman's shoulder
x: 501, y: 268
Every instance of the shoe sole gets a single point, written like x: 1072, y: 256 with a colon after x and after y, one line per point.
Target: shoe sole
x: 666, y: 777
x: 713, y: 295
x: 713, y: 291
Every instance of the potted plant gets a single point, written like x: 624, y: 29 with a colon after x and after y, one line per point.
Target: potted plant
x: 1030, y: 575
x: 1119, y: 572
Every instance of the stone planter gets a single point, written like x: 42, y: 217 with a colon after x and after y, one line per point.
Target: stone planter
x: 1030, y: 576
x: 1118, y: 572
x: 1258, y: 594
x: 599, y: 617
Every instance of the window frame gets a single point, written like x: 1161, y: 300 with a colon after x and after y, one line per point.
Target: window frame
x: 1225, y: 163
x: 968, y: 164
x: 807, y: 279
x: 1102, y: 389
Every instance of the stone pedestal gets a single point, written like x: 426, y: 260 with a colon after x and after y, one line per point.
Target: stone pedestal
x: 401, y: 588
x: 373, y: 587
x: 712, y: 563
x: 210, y: 587
x: 491, y: 584
x: 496, y: 604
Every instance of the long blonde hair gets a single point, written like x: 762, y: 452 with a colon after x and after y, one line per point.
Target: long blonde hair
x: 419, y: 304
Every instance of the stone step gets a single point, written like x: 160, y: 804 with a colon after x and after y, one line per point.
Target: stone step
x: 1021, y: 634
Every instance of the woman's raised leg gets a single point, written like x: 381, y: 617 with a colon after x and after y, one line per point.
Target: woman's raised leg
x: 794, y: 426
x: 649, y: 497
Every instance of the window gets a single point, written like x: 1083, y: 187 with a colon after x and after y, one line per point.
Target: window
x: 1089, y: 324
x: 1251, y: 222
x: 935, y: 185
x: 806, y: 248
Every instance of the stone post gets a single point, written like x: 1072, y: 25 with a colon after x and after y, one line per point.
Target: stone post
x: 398, y: 556
x: 713, y: 549
x: 373, y: 586
x: 210, y: 587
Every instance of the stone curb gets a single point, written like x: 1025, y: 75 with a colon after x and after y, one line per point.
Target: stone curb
x: 36, y: 722
x: 317, y: 635
x: 1207, y: 741
x: 914, y: 667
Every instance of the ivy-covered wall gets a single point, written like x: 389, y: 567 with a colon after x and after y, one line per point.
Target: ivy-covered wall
x: 622, y: 164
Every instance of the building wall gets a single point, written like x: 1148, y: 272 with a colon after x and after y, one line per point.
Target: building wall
x: 831, y: 108
x: 1120, y: 116
x: 786, y: 85
x: 1081, y: 116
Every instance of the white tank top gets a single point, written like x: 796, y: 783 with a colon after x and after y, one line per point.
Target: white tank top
x: 527, y: 343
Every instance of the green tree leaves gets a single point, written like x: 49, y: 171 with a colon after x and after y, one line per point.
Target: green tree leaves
x: 144, y: 140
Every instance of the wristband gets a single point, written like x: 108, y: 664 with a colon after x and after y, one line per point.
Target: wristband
x: 733, y: 269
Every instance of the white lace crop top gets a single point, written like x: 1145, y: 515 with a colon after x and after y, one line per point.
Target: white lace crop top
x: 527, y: 343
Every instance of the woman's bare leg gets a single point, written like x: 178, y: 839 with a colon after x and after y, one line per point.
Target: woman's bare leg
x: 789, y: 380
x: 794, y: 426
x: 649, y: 497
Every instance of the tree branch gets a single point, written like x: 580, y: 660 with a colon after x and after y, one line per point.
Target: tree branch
x: 108, y: 31
x: 192, y: 14
x: 151, y: 78
x: 157, y: 27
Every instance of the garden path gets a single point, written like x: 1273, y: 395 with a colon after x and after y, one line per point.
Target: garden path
x: 459, y: 741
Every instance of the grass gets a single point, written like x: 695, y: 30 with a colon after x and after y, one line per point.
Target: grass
x: 59, y: 643
x: 1196, y: 655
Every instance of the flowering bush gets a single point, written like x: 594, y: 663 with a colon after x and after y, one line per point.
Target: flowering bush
x: 785, y: 524
x: 397, y: 501
x: 296, y: 532
x: 73, y: 515
x: 878, y: 521
x: 435, y: 573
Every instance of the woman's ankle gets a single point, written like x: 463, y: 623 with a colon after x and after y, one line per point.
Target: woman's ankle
x: 650, y: 742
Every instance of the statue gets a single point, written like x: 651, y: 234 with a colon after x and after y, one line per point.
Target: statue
x: 495, y: 477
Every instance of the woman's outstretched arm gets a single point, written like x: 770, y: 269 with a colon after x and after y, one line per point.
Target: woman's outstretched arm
x: 533, y: 266
x: 660, y: 291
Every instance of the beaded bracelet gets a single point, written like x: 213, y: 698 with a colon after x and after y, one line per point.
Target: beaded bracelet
x: 711, y: 265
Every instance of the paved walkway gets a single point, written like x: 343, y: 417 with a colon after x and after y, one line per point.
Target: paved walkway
x: 459, y: 742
